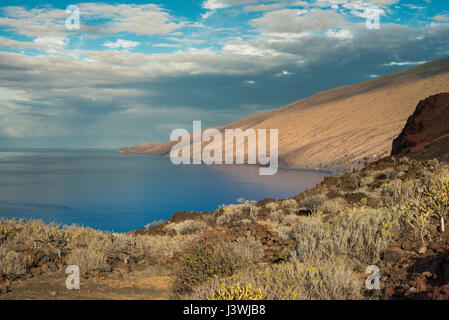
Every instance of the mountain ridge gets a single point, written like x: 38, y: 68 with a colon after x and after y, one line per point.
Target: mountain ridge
x: 426, y: 133
x: 344, y: 128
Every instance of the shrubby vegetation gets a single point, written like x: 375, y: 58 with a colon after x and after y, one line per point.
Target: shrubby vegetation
x: 237, y: 292
x: 313, y: 246
x: 214, y: 256
x: 91, y: 250
x: 291, y: 280
x: 348, y: 227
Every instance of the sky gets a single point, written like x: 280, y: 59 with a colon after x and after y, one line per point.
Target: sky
x: 136, y: 70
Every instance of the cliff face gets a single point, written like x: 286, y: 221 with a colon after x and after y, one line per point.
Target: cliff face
x: 426, y: 133
x: 153, y: 148
x: 344, y: 128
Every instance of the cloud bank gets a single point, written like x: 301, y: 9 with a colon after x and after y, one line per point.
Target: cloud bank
x: 132, y: 73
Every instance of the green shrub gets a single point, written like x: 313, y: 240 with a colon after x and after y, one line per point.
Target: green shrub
x: 213, y: 255
x: 436, y: 198
x: 431, y: 204
x: 359, y: 233
x: 237, y: 292
x: 401, y: 192
x: 329, y: 279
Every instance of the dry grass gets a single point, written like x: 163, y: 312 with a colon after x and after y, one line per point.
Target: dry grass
x: 284, y: 232
x: 88, y: 260
x: 289, y: 204
x: 293, y: 280
x: 12, y: 264
x: 246, y: 210
x: 276, y: 216
x: 90, y: 249
x: 272, y: 206
x: 166, y: 246
x: 187, y: 227
x: 366, y: 181
x: 360, y: 234
x: 334, y: 205
x: 214, y: 256
x: 402, y: 192
x: 290, y: 220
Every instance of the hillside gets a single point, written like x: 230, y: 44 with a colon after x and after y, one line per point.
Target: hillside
x: 314, y: 245
x: 426, y: 133
x: 346, y: 127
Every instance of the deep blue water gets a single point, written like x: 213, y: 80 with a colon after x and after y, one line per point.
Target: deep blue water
x: 110, y: 191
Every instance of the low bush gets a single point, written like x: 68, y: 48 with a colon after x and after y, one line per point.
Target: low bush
x: 12, y: 264
x: 284, y: 232
x: 159, y: 246
x: 292, y: 280
x: 334, y: 205
x: 213, y: 255
x: 289, y: 204
x: 34, y: 234
x: 88, y: 260
x: 272, y: 206
x: 290, y: 219
x: 275, y: 216
x: 401, y: 192
x: 431, y: 205
x: 359, y: 233
x: 237, y: 292
x: 312, y: 202
x: 187, y: 227
x: 246, y: 210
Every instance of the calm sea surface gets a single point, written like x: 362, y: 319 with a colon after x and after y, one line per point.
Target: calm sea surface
x: 110, y: 191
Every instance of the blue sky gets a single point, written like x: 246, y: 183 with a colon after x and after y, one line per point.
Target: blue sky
x: 135, y: 70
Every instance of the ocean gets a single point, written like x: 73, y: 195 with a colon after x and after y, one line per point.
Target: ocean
x: 117, y: 192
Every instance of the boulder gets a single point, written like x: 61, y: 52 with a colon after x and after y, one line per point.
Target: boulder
x: 393, y: 254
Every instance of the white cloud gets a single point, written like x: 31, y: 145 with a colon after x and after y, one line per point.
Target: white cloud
x: 342, y: 34
x: 51, y: 44
x: 248, y: 49
x: 412, y: 6
x: 125, y: 44
x: 10, y: 94
x: 293, y: 21
x: 147, y: 19
x: 443, y: 17
x: 167, y: 45
x: 200, y: 51
x: 206, y: 15
x: 404, y: 63
x: 221, y: 4
x: 283, y: 73
x: 100, y: 87
x: 263, y: 7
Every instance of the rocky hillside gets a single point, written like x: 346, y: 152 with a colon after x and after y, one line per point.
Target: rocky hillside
x: 342, y: 128
x: 426, y: 134
x: 315, y: 245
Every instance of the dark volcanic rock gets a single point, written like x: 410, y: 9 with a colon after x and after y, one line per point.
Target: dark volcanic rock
x: 426, y: 133
x: 392, y: 255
